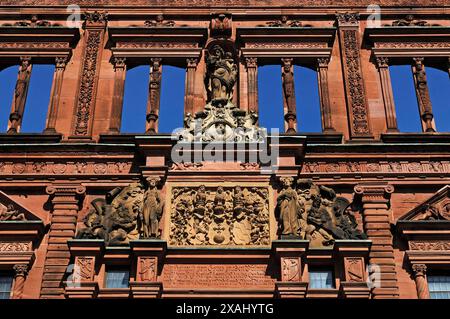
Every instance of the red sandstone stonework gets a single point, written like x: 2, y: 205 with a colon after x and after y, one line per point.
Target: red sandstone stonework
x: 362, y: 199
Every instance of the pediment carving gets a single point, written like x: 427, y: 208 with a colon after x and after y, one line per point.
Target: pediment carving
x: 436, y: 208
x: 10, y: 210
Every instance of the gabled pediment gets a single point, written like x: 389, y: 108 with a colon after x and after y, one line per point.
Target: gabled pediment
x: 10, y: 210
x: 436, y: 208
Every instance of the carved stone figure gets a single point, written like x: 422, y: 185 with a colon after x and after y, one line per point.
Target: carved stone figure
x: 151, y: 212
x: 288, y: 207
x: 220, y: 76
x: 315, y: 213
x: 9, y: 213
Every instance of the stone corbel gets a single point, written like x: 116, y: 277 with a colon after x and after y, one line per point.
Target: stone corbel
x: 289, y: 255
x: 148, y: 261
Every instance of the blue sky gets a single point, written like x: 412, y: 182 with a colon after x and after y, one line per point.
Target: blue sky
x: 270, y: 98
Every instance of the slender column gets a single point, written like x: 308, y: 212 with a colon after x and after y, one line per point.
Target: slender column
x: 289, y: 103
x: 154, y: 96
x: 65, y: 199
x: 252, y: 84
x: 60, y: 66
x: 420, y: 271
x: 355, y: 92
x: 322, y: 72
x: 21, y: 272
x: 423, y: 95
x: 190, y: 85
x: 388, y: 97
x: 117, y: 101
x: 20, y: 95
x: 375, y: 200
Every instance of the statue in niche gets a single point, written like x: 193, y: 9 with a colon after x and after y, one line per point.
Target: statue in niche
x: 9, y: 213
x: 322, y: 217
x: 221, y: 76
x: 288, y: 209
x: 151, y: 212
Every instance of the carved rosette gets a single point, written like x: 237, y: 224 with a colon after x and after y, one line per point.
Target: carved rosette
x: 219, y: 216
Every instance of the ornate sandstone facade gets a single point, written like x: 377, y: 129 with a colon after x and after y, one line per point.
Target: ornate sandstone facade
x: 362, y: 202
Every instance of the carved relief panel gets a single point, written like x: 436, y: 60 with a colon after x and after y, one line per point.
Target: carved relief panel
x: 213, y: 215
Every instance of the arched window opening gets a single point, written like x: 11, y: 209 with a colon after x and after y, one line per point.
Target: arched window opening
x: 270, y: 96
x: 38, y: 98
x: 135, y: 100
x: 308, y: 101
x: 407, y: 110
x: 8, y: 78
x: 171, y: 111
x: 439, y: 87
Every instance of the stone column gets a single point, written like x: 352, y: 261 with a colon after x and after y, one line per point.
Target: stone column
x: 95, y: 24
x: 154, y: 96
x: 375, y: 200
x: 420, y: 271
x: 20, y: 95
x: 388, y: 97
x: 60, y: 66
x: 65, y: 200
x: 21, y: 271
x: 289, y: 102
x: 423, y: 95
x: 355, y: 92
x: 117, y: 101
x: 191, y: 67
x: 252, y: 84
x: 322, y: 72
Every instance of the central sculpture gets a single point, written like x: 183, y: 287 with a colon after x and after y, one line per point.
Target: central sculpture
x: 221, y: 120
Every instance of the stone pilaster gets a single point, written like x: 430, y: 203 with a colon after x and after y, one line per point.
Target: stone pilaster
x: 60, y: 66
x: 154, y: 96
x: 95, y: 24
x: 65, y: 199
x: 423, y: 95
x: 388, y: 97
x: 289, y: 102
x: 420, y: 276
x: 252, y: 84
x: 355, y: 92
x: 322, y: 71
x: 117, y: 101
x: 20, y: 274
x: 375, y: 200
x: 20, y: 95
x: 191, y: 67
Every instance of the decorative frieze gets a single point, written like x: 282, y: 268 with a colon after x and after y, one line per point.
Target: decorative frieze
x: 12, y: 247
x: 429, y: 245
x: 159, y: 21
x: 67, y: 168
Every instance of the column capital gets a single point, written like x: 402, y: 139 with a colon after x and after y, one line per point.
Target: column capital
x: 251, y: 62
x: 20, y: 270
x: 323, y: 62
x: 347, y: 18
x: 382, y: 62
x: 65, y: 189
x: 96, y: 19
x: 119, y: 62
x: 379, y: 192
x: 191, y: 62
x: 61, y: 62
x: 420, y: 270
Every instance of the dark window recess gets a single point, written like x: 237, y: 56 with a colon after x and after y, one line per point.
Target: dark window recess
x: 135, y: 100
x: 309, y: 117
x: 38, y: 98
x: 439, y: 286
x: 406, y: 107
x: 6, y: 281
x: 117, y: 278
